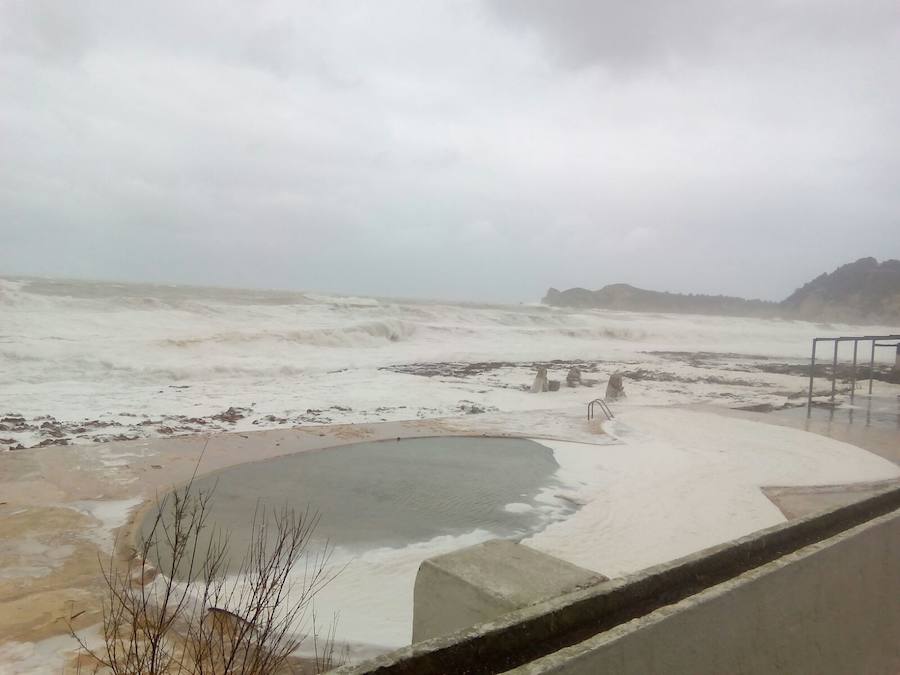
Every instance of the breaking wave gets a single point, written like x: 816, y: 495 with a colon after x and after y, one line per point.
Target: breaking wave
x: 359, y: 335
x: 80, y: 348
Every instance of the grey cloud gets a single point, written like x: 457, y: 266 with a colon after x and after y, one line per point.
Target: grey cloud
x: 647, y: 33
x: 50, y: 32
x: 450, y: 149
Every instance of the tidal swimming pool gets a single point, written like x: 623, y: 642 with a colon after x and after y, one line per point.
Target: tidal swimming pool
x: 393, y: 493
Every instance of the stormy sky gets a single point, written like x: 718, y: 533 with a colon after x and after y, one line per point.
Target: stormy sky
x: 475, y: 149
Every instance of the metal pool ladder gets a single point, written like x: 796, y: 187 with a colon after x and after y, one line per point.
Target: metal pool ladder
x: 603, y: 406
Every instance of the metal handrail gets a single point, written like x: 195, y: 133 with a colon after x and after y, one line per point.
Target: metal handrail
x: 834, y: 362
x: 604, y: 406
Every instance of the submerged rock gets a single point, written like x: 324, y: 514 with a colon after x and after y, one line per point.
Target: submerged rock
x: 470, y: 408
x: 231, y: 415
x: 615, y: 389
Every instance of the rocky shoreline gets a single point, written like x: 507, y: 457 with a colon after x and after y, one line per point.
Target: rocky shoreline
x: 722, y: 378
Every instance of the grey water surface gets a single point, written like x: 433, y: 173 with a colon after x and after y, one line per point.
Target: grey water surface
x: 390, y: 493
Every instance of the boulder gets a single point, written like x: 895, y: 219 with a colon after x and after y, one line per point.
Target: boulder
x: 615, y: 389
x: 540, y: 381
x: 553, y: 385
x: 573, y: 379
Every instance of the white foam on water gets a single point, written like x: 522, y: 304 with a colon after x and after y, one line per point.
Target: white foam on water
x: 43, y: 657
x: 109, y: 514
x: 370, y: 599
x: 518, y: 507
x: 128, y: 354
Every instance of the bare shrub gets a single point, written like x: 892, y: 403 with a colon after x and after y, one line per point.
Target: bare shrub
x: 192, y: 616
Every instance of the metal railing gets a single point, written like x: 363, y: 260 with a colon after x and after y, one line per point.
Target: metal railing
x: 834, y: 362
x: 604, y: 406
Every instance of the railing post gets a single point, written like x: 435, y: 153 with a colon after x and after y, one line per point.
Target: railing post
x: 853, y: 375
x: 872, y: 367
x: 812, y: 371
x: 834, y: 371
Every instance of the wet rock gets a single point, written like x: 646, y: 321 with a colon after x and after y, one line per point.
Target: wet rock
x: 470, y: 408
x: 314, y: 416
x: 52, y: 441
x: 231, y: 415
x: 615, y: 389
x: 759, y: 407
x: 15, y: 422
x: 97, y: 424
x: 540, y: 381
x: 273, y: 418
x: 52, y: 429
x: 573, y: 378
x: 553, y: 385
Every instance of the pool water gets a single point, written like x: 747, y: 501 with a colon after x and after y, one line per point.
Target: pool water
x: 393, y: 493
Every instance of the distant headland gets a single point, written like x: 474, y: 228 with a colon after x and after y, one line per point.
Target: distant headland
x: 865, y: 290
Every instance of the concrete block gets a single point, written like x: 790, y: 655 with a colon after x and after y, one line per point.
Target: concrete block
x: 482, y: 582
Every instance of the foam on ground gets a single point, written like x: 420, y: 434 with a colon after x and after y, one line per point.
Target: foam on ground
x: 681, y: 481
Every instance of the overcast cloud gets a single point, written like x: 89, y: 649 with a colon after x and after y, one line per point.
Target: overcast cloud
x: 477, y: 150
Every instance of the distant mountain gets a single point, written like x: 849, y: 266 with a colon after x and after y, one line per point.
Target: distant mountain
x: 861, y: 291
x: 627, y: 297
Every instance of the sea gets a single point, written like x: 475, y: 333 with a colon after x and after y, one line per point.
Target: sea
x: 86, y: 361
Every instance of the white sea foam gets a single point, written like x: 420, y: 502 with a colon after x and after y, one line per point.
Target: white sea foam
x: 128, y: 354
x: 109, y: 515
x: 372, y: 595
x: 518, y: 507
x: 43, y: 657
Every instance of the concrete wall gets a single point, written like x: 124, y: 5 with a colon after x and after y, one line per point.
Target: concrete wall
x: 832, y: 607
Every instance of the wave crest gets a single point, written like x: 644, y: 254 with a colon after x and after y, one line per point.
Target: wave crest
x: 371, y: 333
